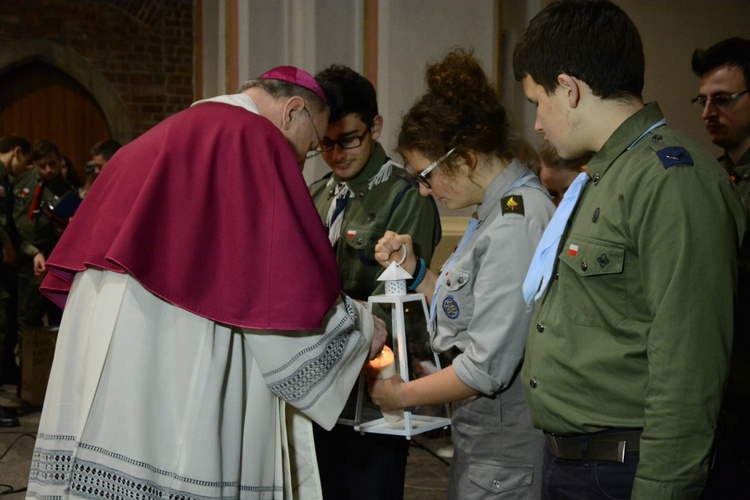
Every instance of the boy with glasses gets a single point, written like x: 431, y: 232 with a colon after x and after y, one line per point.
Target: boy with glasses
x: 365, y: 195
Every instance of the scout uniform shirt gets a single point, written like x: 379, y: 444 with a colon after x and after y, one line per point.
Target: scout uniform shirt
x: 378, y: 203
x: 634, y: 329
x: 7, y: 234
x: 7, y: 228
x: 740, y: 174
x: 480, y: 309
x: 738, y: 390
x: 36, y: 230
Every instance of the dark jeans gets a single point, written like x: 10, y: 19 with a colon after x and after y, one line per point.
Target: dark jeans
x: 356, y: 466
x: 729, y: 476
x: 587, y: 480
x: 10, y: 373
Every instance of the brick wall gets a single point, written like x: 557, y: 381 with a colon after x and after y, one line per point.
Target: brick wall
x: 143, y: 47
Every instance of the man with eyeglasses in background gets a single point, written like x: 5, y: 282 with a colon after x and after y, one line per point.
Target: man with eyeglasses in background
x: 724, y: 101
x: 724, y: 72
x: 363, y: 196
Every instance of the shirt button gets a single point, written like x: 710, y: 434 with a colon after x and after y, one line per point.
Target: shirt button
x: 557, y: 275
x: 496, y: 484
x: 657, y: 138
x: 460, y: 280
x: 584, y: 265
x: 539, y: 327
x: 532, y: 383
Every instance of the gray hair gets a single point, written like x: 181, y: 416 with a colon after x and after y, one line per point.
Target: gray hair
x: 282, y: 90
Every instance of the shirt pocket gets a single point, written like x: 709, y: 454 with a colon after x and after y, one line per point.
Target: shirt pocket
x: 501, y: 479
x: 454, y: 298
x: 361, y: 241
x: 592, y: 281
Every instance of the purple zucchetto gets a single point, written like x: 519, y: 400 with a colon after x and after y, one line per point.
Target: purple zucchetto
x: 294, y: 76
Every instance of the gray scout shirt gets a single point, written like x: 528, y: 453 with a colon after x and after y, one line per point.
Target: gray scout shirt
x: 480, y: 307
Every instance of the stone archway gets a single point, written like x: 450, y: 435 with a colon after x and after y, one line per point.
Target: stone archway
x: 22, y: 52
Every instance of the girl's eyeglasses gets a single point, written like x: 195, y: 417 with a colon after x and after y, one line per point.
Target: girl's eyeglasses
x: 424, y: 176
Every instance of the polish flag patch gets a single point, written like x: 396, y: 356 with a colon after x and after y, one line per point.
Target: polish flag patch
x: 573, y: 250
x: 351, y: 233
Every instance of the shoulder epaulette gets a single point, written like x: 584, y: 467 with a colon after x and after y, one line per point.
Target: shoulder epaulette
x: 674, y: 155
x: 670, y: 155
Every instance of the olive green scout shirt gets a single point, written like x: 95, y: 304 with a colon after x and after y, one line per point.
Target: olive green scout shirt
x: 738, y: 390
x: 635, y: 331
x: 740, y: 174
x: 6, y: 208
x: 37, y: 233
x: 390, y: 205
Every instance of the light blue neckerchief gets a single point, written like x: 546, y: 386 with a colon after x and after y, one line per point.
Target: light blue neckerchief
x: 543, y: 261
x: 524, y: 178
x: 545, y: 255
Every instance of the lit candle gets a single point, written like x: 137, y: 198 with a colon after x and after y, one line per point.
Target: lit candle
x: 385, y: 363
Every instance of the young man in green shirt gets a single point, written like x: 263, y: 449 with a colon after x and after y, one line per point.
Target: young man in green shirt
x: 15, y: 154
x: 36, y: 192
x: 372, y: 197
x: 628, y: 352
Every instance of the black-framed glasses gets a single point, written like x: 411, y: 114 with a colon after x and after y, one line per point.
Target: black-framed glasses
x: 719, y: 99
x: 423, y: 177
x: 349, y: 142
x: 315, y: 152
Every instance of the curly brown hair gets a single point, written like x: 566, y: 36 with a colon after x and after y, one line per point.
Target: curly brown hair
x: 460, y: 110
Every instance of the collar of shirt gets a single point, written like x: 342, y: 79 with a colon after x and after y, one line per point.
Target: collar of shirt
x: 623, y: 137
x: 742, y: 166
x: 500, y: 187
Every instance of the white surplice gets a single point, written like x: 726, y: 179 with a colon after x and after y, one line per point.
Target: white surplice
x: 148, y: 400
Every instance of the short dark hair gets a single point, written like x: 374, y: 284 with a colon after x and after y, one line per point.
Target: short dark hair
x: 107, y: 148
x: 733, y: 52
x: 11, y: 142
x: 348, y: 92
x: 592, y: 40
x: 462, y: 109
x: 42, y: 148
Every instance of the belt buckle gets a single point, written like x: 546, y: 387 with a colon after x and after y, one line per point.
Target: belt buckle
x: 611, y: 451
x: 621, y: 446
x: 554, y: 448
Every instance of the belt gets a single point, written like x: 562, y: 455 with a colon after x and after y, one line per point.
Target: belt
x: 609, y: 445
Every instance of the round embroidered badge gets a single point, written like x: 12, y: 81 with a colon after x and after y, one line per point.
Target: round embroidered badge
x: 450, y: 307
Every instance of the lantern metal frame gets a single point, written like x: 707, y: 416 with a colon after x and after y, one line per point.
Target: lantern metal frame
x: 412, y: 424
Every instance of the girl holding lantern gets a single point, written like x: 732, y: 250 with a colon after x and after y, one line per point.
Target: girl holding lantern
x: 457, y: 142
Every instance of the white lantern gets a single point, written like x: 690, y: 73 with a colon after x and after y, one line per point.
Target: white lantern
x: 396, y: 295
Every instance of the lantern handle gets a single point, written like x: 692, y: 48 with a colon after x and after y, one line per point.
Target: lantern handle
x: 403, y: 257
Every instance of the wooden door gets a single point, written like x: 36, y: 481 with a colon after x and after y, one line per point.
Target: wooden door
x: 39, y: 101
